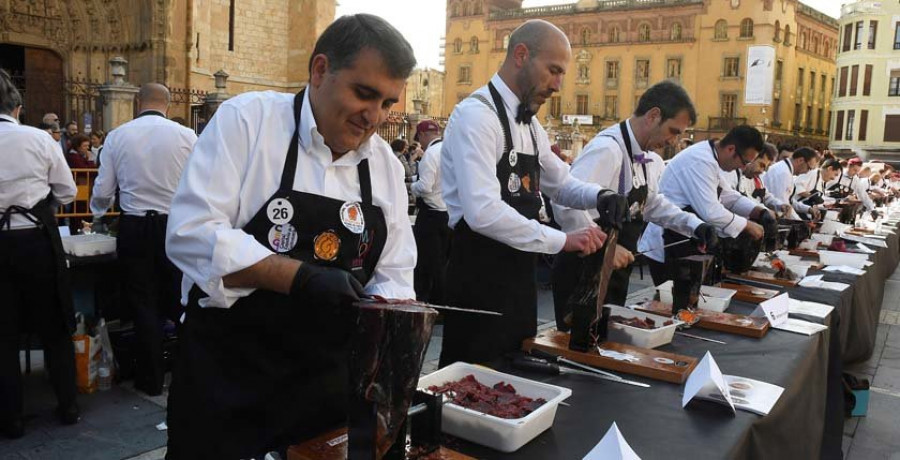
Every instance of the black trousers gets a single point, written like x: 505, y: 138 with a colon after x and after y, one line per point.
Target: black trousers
x: 30, y: 303
x: 152, y: 288
x: 433, y: 241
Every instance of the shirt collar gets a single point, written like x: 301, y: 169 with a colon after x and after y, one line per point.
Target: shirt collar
x: 311, y: 140
x: 510, y: 100
x: 635, y: 146
x: 8, y: 117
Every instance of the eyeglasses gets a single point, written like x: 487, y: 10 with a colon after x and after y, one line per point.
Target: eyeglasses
x: 743, y: 161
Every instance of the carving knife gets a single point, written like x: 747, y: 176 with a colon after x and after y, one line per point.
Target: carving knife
x: 428, y: 305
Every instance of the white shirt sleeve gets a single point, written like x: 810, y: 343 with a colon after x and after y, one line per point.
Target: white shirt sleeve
x: 659, y: 210
x: 427, y: 173
x: 105, y: 184
x: 697, y: 183
x: 860, y: 187
x: 62, y: 184
x: 778, y: 184
x: 469, y: 155
x: 393, y: 276
x: 598, y: 164
x: 201, y: 238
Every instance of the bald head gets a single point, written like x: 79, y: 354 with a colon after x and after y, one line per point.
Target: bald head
x: 537, y: 35
x: 154, y: 96
x: 536, y: 62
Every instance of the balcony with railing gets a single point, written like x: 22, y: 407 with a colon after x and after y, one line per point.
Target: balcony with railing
x: 725, y: 123
x: 602, y: 5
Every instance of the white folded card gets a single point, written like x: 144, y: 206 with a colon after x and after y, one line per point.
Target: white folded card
x: 708, y: 383
x: 612, y: 447
x: 814, y: 311
x: 878, y: 243
x: 815, y: 281
x: 801, y: 327
x: 844, y: 269
x: 774, y: 309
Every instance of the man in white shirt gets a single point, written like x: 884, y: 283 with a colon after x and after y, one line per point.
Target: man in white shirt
x: 779, y: 182
x: 844, y: 183
x: 143, y: 159
x: 621, y: 158
x: 861, y: 186
x: 290, y: 209
x: 34, y: 180
x: 748, y: 180
x: 495, y: 163
x: 431, y: 230
x: 692, y: 181
x: 810, y: 187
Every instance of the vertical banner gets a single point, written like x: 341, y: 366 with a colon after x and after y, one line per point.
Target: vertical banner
x: 760, y: 75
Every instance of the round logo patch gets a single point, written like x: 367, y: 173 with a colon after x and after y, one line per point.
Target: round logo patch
x: 514, y: 183
x: 352, y: 217
x: 282, y: 238
x: 513, y: 157
x: 326, y: 245
x: 279, y: 211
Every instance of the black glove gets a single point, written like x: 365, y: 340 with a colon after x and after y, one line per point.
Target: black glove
x: 325, y: 286
x: 706, y: 236
x: 875, y: 215
x: 769, y: 224
x: 99, y: 227
x: 612, y: 208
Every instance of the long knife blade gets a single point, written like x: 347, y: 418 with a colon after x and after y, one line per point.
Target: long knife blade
x: 428, y: 305
x: 692, y: 336
x: 601, y: 374
x: 664, y: 247
x: 603, y: 377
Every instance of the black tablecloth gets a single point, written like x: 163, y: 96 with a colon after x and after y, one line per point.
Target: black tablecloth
x: 807, y: 421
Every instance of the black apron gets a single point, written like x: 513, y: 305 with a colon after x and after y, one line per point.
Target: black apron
x: 567, y: 267
x: 43, y: 216
x: 271, y: 371
x: 488, y: 275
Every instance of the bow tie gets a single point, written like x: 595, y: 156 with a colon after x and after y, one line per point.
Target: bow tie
x: 524, y: 114
x: 642, y: 159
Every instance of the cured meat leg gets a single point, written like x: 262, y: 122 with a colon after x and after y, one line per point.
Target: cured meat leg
x: 386, y: 358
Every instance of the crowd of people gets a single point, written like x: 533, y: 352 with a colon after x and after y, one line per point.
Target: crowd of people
x: 258, y: 236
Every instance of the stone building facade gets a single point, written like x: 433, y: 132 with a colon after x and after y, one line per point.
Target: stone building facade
x: 867, y: 99
x: 59, y: 50
x: 425, y: 89
x: 620, y: 47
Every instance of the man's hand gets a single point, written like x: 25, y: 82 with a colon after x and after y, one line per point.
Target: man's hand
x: 875, y: 215
x: 585, y: 241
x: 815, y: 213
x: 612, y: 208
x: 754, y: 230
x: 785, y: 209
x: 325, y: 286
x: 623, y: 258
x: 706, y: 237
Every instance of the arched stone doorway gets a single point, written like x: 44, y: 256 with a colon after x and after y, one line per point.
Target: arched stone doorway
x: 38, y: 73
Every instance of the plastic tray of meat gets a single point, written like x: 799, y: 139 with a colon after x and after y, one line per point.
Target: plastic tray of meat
x: 503, y: 434
x: 643, y: 337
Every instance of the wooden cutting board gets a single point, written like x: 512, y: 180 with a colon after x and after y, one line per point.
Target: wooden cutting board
x: 333, y: 446
x: 750, y: 294
x: 756, y: 275
x: 723, y: 322
x: 653, y: 364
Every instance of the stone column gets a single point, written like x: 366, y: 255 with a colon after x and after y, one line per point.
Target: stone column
x: 118, y: 96
x: 214, y: 100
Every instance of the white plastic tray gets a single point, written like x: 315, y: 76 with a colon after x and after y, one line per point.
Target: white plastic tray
x: 849, y: 259
x: 89, y: 245
x: 713, y: 298
x: 644, y: 338
x: 505, y: 435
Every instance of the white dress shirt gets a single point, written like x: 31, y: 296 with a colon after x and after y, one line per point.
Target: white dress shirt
x: 779, y: 181
x: 428, y: 186
x: 144, y: 159
x: 601, y: 162
x: 473, y: 144
x: 809, y: 181
x: 845, y: 180
x: 692, y: 179
x: 236, y: 167
x: 33, y: 167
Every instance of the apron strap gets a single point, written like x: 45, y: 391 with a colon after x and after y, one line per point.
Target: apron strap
x: 290, y: 162
x: 6, y: 217
x: 365, y: 181
x: 500, y: 108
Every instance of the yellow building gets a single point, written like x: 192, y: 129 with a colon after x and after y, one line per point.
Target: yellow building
x: 620, y: 47
x: 867, y: 104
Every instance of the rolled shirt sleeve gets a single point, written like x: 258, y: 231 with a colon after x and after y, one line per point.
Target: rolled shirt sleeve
x: 201, y: 239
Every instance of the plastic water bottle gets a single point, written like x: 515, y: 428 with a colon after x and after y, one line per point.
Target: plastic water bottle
x: 104, y: 373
